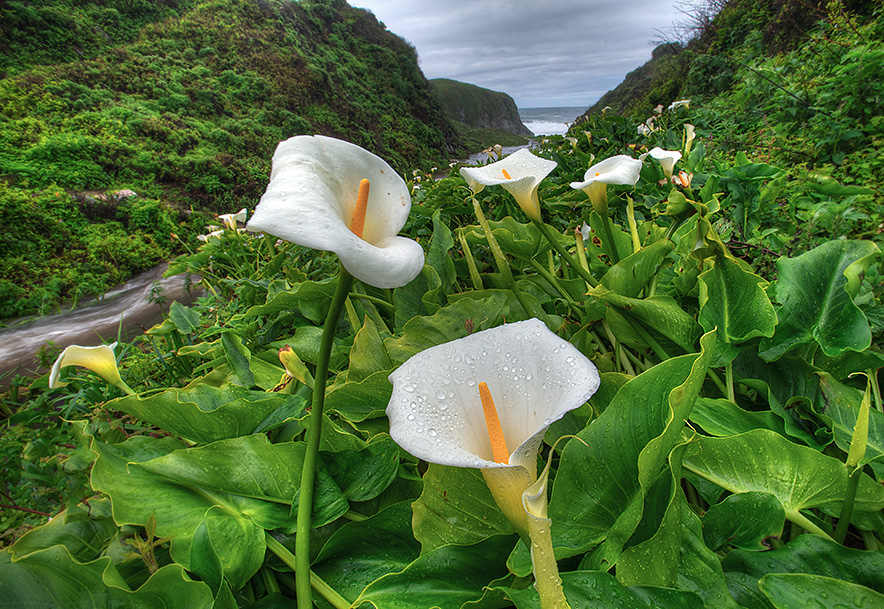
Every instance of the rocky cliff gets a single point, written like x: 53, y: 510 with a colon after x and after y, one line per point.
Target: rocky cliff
x: 478, y: 107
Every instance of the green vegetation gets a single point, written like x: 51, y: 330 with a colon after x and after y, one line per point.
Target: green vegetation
x: 183, y: 103
x: 731, y: 457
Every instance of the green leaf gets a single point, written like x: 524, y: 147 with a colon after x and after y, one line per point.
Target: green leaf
x: 186, y: 320
x: 409, y: 299
x: 764, y: 461
x: 813, y: 555
x: 445, y: 578
x: 630, y: 276
x: 720, y: 417
x: 358, y: 401
x: 438, y: 256
x: 815, y: 292
x: 743, y: 520
x: 205, y: 413
x: 598, y: 493
x: 794, y: 591
x: 365, y: 474
x: 361, y: 552
x: 842, y: 409
x: 368, y: 354
x: 84, y: 532
x: 732, y: 298
x: 699, y: 568
x: 52, y: 578
x: 522, y: 241
x: 659, y: 314
x: 311, y: 298
x: 238, y: 357
x: 456, y: 507
x: 478, y: 311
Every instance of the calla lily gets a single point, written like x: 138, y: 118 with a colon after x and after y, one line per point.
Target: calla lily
x: 231, y: 221
x: 685, y: 103
x: 620, y: 169
x: 667, y: 158
x: 311, y: 200
x: 100, y: 360
x: 438, y: 413
x: 520, y: 173
x: 688, y: 138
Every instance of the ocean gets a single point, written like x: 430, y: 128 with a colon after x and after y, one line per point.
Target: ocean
x: 550, y: 121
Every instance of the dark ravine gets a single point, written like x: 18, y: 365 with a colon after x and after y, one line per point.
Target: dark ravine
x: 478, y: 107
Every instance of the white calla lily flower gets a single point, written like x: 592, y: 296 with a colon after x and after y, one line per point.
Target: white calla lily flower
x: 667, y: 158
x: 620, y: 169
x: 682, y: 103
x: 100, y: 360
x: 438, y: 413
x: 520, y: 174
x: 688, y: 138
x: 311, y: 200
x: 231, y: 221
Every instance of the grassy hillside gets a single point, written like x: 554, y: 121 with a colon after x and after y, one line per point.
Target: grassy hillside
x: 183, y: 103
x: 797, y: 85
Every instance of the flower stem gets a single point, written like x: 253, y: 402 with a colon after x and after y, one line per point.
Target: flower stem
x: 327, y: 592
x: 471, y: 263
x: 633, y: 227
x: 314, y: 431
x: 503, y: 266
x: 547, y: 233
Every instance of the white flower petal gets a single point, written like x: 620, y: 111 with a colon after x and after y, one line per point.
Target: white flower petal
x: 311, y: 198
x: 667, y: 159
x: 100, y: 359
x: 534, y: 376
x: 620, y: 169
x: 525, y: 171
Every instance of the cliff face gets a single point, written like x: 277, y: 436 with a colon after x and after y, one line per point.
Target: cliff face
x: 478, y: 107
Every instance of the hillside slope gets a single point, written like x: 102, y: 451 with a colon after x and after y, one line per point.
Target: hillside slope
x: 183, y: 103
x: 479, y: 107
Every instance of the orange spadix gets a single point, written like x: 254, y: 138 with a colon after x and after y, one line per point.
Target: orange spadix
x: 358, y: 223
x: 492, y: 422
x: 506, y: 174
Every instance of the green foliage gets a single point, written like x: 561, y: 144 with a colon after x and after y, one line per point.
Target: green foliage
x: 182, y: 102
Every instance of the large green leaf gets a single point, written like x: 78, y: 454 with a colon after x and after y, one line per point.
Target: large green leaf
x: 445, y: 578
x: 358, y: 401
x: 52, y: 578
x: 598, y: 493
x: 479, y: 311
x: 600, y: 590
x: 84, y: 531
x: 456, y: 507
x: 792, y: 591
x: 815, y: 292
x: 361, y: 552
x: 699, y: 568
x: 764, y: 461
x: 814, y: 555
x: 311, y: 298
x: 659, y: 314
x: 368, y: 354
x: 732, y: 298
x: 438, y: 256
x: 630, y: 276
x: 523, y: 241
x: 204, y: 413
x: 743, y: 520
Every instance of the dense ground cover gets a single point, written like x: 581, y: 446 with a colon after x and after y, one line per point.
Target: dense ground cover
x: 182, y: 103
x: 730, y: 457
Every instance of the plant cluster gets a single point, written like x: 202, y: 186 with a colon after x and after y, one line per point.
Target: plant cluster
x: 730, y: 456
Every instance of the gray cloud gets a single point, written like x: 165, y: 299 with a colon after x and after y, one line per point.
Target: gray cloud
x: 554, y: 53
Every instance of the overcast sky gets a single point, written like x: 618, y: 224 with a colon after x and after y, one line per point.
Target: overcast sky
x: 541, y: 52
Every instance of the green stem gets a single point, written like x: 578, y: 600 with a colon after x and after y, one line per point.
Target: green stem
x: 581, y: 254
x: 269, y: 580
x: 327, y: 592
x: 796, y: 517
x: 847, y: 505
x: 556, y: 285
x: 547, y: 233
x: 633, y: 227
x: 471, y: 263
x: 314, y: 431
x: 373, y: 299
x: 503, y: 266
x: 608, y: 226
x: 876, y: 389
x: 729, y: 379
